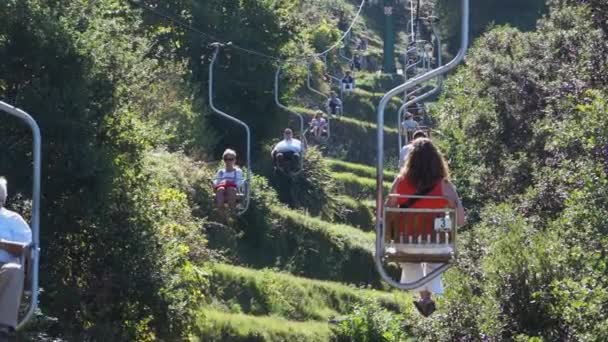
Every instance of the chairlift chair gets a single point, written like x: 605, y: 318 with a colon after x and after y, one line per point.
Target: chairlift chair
x: 394, y: 225
x: 320, y: 93
x: 302, y: 131
x: 435, y: 90
x: 420, y: 234
x: 31, y: 256
x: 244, y: 193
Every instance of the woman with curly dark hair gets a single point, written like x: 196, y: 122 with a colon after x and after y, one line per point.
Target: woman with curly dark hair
x: 425, y: 173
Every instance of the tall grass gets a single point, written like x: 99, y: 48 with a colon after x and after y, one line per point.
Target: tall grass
x: 357, y: 187
x: 358, y: 169
x: 266, y: 292
x: 356, y: 213
x: 216, y: 326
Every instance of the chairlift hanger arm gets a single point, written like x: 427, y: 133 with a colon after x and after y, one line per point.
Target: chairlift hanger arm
x: 285, y: 108
x: 309, y: 83
x: 35, y: 223
x: 464, y: 35
x: 217, y: 47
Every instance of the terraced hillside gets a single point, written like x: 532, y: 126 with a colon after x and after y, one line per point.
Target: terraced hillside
x: 289, y: 282
x: 292, y: 277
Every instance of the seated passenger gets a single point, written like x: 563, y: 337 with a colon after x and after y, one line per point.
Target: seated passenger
x: 15, y: 235
x: 362, y: 46
x: 406, y: 149
x: 287, y: 153
x: 318, y: 125
x: 334, y: 104
x: 425, y: 173
x: 228, y: 181
x: 348, y: 82
x: 408, y: 126
x: 356, y: 63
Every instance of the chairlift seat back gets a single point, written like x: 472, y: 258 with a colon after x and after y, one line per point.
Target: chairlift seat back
x: 424, y: 232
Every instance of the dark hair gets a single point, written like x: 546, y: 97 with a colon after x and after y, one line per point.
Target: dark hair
x: 424, y: 165
x: 419, y: 134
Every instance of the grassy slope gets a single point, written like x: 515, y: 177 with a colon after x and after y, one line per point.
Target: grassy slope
x: 357, y: 187
x: 217, y: 326
x: 299, y: 244
x: 264, y: 292
x: 358, y: 169
x: 355, y: 140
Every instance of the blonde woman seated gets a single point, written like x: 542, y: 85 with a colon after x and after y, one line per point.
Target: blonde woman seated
x: 228, y: 181
x: 425, y: 173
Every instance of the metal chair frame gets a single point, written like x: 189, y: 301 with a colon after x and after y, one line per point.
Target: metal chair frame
x: 303, y: 131
x: 34, y: 248
x: 247, y: 184
x: 380, y: 209
x: 320, y: 93
x: 437, y: 89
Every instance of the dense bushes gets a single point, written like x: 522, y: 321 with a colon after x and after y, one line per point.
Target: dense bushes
x: 525, y: 133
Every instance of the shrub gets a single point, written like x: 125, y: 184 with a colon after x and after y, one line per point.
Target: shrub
x: 370, y: 323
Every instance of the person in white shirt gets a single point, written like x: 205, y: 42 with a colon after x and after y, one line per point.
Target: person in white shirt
x: 334, y: 104
x: 405, y: 150
x: 287, y: 153
x: 15, y: 235
x: 228, y: 181
x: 318, y: 125
x: 348, y: 82
x: 408, y: 127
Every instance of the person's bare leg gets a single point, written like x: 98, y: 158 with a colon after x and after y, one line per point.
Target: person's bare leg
x: 220, y: 198
x: 231, y: 197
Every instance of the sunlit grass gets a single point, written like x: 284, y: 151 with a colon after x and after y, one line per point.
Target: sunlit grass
x: 217, y: 326
x: 267, y: 292
x: 360, y: 170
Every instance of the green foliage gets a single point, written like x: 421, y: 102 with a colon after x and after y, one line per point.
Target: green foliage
x: 216, y: 326
x: 324, y: 35
x: 518, y: 13
x: 312, y: 189
x: 525, y: 132
x: 268, y: 292
x: 357, y: 187
x: 355, y: 140
x: 371, y: 323
x: 355, y: 213
x: 358, y: 169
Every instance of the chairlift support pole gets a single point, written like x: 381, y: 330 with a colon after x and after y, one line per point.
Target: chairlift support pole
x: 380, y: 162
x: 285, y: 108
x: 217, y: 47
x: 35, y: 223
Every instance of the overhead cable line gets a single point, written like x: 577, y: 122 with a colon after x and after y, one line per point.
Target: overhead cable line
x: 211, y: 38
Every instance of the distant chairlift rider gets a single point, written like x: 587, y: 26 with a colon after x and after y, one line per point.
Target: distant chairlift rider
x: 334, y: 104
x: 348, y: 82
x: 287, y: 154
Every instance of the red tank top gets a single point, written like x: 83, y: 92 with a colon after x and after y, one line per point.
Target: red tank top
x: 406, y: 188
x: 420, y: 224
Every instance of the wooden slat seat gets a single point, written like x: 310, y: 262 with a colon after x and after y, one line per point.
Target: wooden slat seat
x: 419, y: 235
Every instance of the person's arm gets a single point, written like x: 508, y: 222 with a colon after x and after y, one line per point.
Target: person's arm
x: 218, y: 178
x: 274, y: 150
x: 449, y: 191
x: 393, y: 201
x: 14, y: 248
x: 240, y: 180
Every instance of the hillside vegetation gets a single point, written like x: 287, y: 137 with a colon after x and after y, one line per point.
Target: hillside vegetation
x: 132, y: 249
